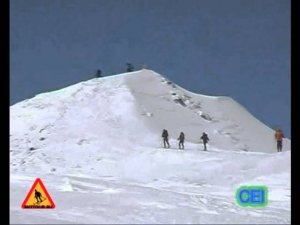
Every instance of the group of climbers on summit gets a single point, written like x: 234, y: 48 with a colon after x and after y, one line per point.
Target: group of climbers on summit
x: 129, y: 68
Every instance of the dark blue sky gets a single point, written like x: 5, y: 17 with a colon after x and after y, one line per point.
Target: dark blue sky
x: 237, y: 48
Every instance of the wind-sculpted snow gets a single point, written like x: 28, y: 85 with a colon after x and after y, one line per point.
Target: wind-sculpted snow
x: 97, y: 147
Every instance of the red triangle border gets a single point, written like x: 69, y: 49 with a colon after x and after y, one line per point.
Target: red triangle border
x: 38, y: 180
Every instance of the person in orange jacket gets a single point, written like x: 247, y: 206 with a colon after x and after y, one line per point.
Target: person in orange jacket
x: 279, y: 137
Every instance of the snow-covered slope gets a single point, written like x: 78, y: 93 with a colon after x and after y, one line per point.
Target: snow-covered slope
x: 228, y: 124
x: 101, y: 138
x: 138, y: 105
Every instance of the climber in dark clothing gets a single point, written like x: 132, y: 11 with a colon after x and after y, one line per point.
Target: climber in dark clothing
x: 165, y: 136
x: 98, y: 74
x: 130, y: 67
x: 205, y: 139
x: 181, y: 141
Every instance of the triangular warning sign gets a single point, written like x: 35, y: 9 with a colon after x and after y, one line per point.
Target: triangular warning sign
x: 38, y: 197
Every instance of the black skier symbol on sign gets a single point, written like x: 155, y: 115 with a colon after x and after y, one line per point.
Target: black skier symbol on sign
x: 38, y: 196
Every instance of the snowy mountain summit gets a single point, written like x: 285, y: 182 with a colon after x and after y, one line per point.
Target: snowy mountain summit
x: 135, y: 106
x: 97, y: 147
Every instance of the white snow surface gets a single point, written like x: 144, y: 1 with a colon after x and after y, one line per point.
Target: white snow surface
x: 97, y: 147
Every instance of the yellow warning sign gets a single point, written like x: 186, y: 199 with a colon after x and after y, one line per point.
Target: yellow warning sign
x: 38, y: 197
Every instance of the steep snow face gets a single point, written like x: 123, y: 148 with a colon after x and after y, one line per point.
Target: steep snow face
x: 228, y: 124
x: 99, y: 140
